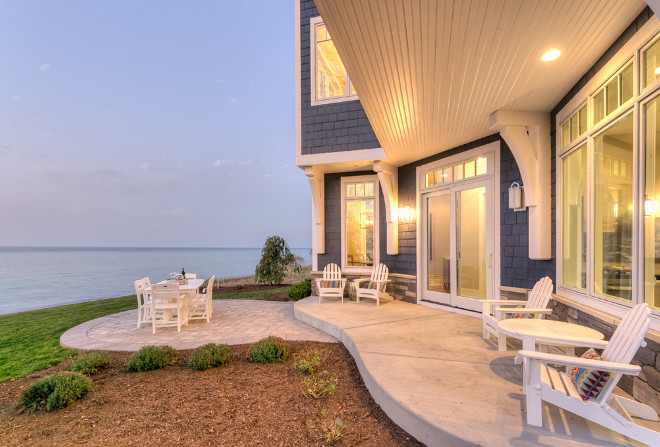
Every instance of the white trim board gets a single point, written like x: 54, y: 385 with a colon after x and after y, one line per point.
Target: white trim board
x: 340, y: 157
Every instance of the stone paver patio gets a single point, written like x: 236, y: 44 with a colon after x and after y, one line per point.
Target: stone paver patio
x: 234, y: 322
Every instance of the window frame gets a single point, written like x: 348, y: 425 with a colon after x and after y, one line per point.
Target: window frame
x: 313, y: 22
x: 631, y: 52
x: 359, y: 179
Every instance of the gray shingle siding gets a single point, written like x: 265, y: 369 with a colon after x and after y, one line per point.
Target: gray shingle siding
x: 334, y: 127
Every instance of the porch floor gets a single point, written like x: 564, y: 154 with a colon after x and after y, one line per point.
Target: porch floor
x: 435, y: 376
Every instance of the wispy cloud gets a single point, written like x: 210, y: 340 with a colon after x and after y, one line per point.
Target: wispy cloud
x: 268, y: 175
x: 44, y: 67
x: 15, y: 98
x: 245, y: 162
x: 144, y: 166
x: 221, y: 162
x: 233, y: 100
x: 46, y: 134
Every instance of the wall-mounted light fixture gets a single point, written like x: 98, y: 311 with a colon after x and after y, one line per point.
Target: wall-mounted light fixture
x: 616, y: 209
x: 404, y: 214
x: 648, y: 206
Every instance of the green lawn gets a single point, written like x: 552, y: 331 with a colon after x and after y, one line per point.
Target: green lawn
x: 30, y: 341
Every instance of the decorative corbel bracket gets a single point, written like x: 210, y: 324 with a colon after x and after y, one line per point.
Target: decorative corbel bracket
x: 389, y: 183
x: 316, y: 184
x: 528, y: 136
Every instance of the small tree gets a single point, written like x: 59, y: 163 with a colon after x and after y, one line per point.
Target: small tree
x: 275, y: 256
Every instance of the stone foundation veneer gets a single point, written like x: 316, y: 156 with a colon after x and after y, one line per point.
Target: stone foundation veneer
x: 404, y: 287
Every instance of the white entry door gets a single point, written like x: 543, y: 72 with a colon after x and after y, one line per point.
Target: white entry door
x: 458, y: 234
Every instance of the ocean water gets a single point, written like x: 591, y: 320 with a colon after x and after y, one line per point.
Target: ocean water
x: 38, y: 277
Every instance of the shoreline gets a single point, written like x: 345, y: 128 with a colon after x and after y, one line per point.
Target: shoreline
x: 220, y: 282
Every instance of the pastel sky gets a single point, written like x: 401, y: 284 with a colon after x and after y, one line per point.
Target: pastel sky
x: 149, y: 123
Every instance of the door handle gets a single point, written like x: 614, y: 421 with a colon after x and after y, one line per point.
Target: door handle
x: 430, y: 231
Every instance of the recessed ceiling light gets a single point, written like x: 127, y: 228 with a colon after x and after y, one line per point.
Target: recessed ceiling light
x: 550, y: 55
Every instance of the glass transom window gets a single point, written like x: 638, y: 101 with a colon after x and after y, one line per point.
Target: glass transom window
x: 331, y: 82
x: 464, y: 170
x: 616, y: 92
x: 574, y: 127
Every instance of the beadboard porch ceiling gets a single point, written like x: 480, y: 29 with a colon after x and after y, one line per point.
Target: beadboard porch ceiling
x: 430, y: 72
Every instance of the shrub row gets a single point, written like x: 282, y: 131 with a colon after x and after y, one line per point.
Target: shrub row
x: 301, y: 290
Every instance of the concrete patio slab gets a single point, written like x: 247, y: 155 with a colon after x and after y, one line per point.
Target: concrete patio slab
x: 233, y: 322
x: 434, y: 375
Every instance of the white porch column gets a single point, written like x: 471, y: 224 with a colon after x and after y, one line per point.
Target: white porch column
x: 389, y: 183
x: 316, y: 183
x: 528, y: 136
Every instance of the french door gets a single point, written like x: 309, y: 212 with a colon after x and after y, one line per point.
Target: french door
x: 458, y: 234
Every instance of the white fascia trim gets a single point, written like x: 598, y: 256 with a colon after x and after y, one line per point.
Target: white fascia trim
x: 296, y: 6
x: 339, y: 157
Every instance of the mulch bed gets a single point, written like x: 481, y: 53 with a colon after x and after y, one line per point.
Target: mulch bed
x: 239, y: 404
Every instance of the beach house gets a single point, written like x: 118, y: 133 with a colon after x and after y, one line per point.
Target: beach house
x: 474, y: 147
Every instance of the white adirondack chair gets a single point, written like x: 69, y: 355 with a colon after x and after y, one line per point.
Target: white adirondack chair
x: 191, y: 275
x: 545, y: 383
x: 378, y: 278
x: 165, y: 300
x: 144, y: 300
x: 331, y: 273
x: 534, y: 307
x: 200, y: 307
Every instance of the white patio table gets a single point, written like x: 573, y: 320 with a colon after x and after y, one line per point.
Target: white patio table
x: 187, y: 290
x: 568, y: 336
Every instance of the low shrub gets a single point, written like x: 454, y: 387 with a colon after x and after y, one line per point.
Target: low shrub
x: 321, y: 385
x: 151, y: 357
x: 332, y: 430
x: 269, y: 350
x: 56, y: 391
x: 301, y: 290
x: 308, y: 360
x: 91, y: 363
x: 209, y: 356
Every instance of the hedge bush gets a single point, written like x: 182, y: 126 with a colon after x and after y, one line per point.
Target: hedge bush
x: 209, y: 356
x: 151, y: 357
x: 56, y: 391
x: 269, y: 350
x: 91, y: 363
x: 301, y: 290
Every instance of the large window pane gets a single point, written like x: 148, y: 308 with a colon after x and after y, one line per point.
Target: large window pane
x: 574, y: 219
x: 651, y: 212
x: 599, y: 106
x: 613, y: 210
x: 331, y: 77
x: 627, y: 84
x: 360, y: 233
x: 612, y: 94
x: 651, y: 63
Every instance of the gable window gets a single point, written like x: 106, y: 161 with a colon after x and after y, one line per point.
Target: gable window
x: 330, y: 82
x: 359, y: 221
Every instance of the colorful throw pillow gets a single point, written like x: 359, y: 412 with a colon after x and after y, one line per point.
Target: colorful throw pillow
x: 523, y: 315
x: 374, y: 284
x: 589, y: 382
x: 331, y: 284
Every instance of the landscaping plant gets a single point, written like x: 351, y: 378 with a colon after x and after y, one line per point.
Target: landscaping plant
x: 308, y: 360
x: 91, y: 363
x: 321, y: 384
x: 301, y: 290
x: 151, y: 357
x: 275, y: 256
x: 56, y: 391
x: 209, y: 356
x: 332, y: 430
x: 269, y: 350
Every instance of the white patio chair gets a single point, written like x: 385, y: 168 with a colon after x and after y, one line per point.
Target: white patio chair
x: 166, y: 299
x: 331, y: 285
x: 545, y: 383
x: 144, y: 300
x: 191, y: 275
x: 200, y: 307
x: 375, y: 287
x: 535, y: 307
